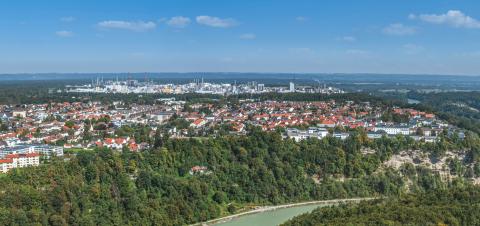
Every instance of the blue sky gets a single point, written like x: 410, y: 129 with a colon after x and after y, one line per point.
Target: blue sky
x: 424, y: 37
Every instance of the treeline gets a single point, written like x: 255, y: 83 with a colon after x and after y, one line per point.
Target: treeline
x: 356, y: 97
x: 157, y: 187
x: 39, y: 96
x: 456, y: 206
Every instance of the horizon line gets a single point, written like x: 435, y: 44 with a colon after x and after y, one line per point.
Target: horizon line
x: 233, y: 72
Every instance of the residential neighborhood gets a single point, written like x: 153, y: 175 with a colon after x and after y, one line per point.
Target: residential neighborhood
x: 47, y: 129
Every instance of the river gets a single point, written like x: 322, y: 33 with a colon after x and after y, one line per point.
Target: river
x: 275, y: 215
x: 270, y: 218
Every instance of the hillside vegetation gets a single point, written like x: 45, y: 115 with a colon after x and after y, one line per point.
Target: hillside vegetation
x: 104, y: 187
x: 458, y: 206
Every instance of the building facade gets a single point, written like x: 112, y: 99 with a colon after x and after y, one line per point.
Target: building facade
x: 11, y: 161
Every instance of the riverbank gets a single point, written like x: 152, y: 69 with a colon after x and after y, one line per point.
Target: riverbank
x: 271, y: 208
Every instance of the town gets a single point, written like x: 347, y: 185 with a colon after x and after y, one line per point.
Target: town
x: 196, y: 86
x: 239, y: 113
x: 33, y: 133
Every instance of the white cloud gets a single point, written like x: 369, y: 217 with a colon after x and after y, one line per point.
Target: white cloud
x: 216, y: 22
x: 454, y: 18
x: 348, y: 39
x: 248, y: 36
x: 399, y: 29
x: 412, y: 48
x: 178, y: 21
x: 67, y: 19
x: 127, y: 25
x: 301, y: 18
x: 64, y: 34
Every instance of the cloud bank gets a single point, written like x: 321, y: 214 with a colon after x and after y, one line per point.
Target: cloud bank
x: 178, y: 21
x: 399, y: 29
x: 138, y: 26
x: 216, y: 22
x: 453, y: 18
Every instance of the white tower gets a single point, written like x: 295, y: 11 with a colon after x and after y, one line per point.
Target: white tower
x: 292, y: 87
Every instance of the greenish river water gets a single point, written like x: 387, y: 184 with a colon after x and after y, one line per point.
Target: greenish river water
x: 270, y: 218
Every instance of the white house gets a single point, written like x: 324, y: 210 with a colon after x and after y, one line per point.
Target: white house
x: 392, y: 130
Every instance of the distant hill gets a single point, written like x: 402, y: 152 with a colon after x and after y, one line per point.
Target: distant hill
x: 358, y: 81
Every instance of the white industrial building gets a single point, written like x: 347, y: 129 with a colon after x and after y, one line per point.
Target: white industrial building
x: 312, y: 132
x: 392, y: 130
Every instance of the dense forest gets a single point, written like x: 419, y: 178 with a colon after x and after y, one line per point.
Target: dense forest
x: 158, y: 187
x: 356, y: 97
x: 456, y: 206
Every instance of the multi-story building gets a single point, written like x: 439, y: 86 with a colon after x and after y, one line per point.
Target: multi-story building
x: 19, y: 113
x: 11, y: 161
x: 312, y: 132
x: 291, y: 87
x: 392, y: 130
x: 48, y: 150
x: 45, y: 150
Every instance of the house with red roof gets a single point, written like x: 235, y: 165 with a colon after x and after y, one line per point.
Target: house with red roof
x: 198, y: 123
x: 327, y: 123
x: 118, y: 143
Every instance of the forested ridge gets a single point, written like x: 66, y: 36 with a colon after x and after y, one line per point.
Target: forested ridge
x: 155, y: 187
x: 456, y: 206
x: 458, y: 108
